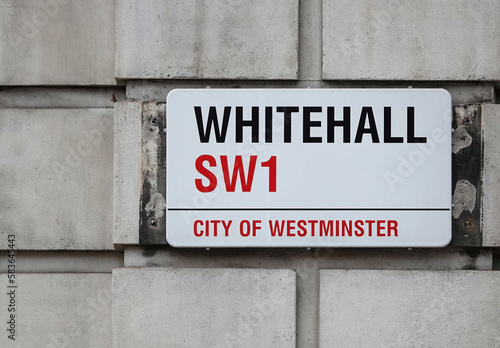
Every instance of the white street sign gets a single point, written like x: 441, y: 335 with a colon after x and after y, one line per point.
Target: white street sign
x: 308, y: 168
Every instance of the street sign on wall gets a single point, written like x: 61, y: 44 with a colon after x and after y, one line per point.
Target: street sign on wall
x: 308, y: 168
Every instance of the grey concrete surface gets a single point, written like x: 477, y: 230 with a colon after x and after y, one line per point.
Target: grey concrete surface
x: 127, y: 173
x: 58, y: 310
x: 64, y: 261
x: 409, y: 309
x: 203, y: 308
x: 411, y: 40
x: 491, y: 175
x: 76, y: 97
x: 496, y: 261
x: 461, y: 92
x: 414, y: 259
x: 310, y: 31
x: 306, y: 264
x: 57, y: 42
x: 56, y: 167
x: 206, y: 39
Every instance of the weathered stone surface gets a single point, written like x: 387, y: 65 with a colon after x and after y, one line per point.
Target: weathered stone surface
x: 127, y: 173
x: 409, y: 309
x: 491, y: 175
x: 311, y: 260
x: 63, y: 262
x: 56, y: 170
x: 57, y: 42
x: 411, y: 40
x: 203, y: 308
x: 58, y: 310
x: 206, y: 39
x: 461, y: 92
x: 306, y: 264
x: 54, y: 98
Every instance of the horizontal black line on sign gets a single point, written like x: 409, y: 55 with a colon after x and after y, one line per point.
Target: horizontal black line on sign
x: 312, y: 209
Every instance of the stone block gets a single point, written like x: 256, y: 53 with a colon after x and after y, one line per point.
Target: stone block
x: 409, y: 308
x: 57, y: 42
x: 411, y: 40
x: 218, y: 39
x: 127, y: 173
x: 491, y: 175
x: 57, y: 310
x: 203, y: 308
x: 56, y: 167
x: 63, y: 262
x: 311, y: 260
x: 55, y: 98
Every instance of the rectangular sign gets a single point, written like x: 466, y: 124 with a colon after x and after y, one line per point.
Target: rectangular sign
x: 308, y: 168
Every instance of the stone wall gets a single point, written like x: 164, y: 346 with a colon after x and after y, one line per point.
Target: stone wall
x: 73, y: 78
